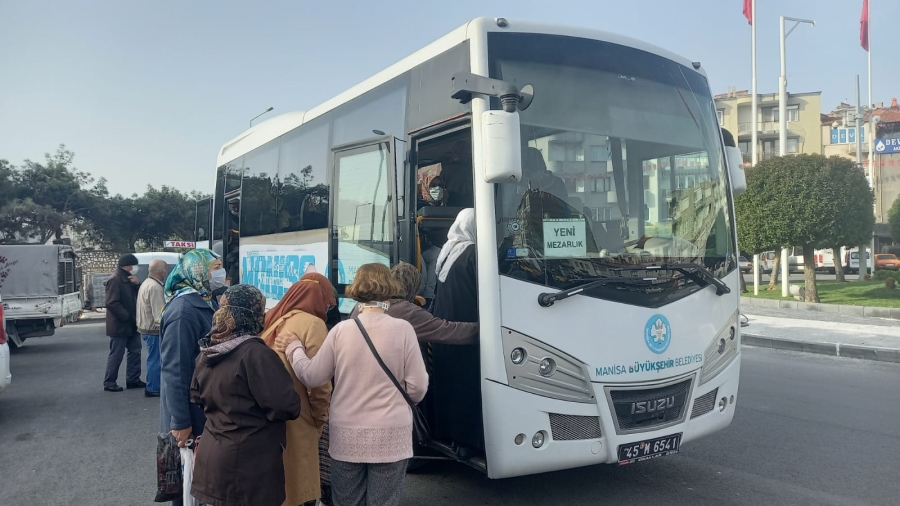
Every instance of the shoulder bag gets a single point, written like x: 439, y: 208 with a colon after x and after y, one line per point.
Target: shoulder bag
x: 420, y: 425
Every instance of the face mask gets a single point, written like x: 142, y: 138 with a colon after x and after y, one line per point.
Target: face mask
x: 217, y: 279
x: 134, y: 270
x: 437, y: 193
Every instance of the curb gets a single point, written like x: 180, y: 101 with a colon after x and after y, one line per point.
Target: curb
x: 892, y: 313
x: 832, y: 349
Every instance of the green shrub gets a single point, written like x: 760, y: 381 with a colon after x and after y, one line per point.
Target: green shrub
x: 890, y: 283
x: 883, y: 274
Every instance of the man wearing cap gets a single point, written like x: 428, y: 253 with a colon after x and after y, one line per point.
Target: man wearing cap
x: 121, y: 325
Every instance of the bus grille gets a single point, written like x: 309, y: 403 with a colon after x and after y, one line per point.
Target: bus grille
x: 675, y: 397
x: 573, y: 427
x: 704, y: 404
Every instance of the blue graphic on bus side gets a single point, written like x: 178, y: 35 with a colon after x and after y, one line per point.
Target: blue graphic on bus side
x: 274, y: 274
x: 658, y: 334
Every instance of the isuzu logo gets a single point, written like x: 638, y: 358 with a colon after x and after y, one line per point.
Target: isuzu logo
x: 654, y: 406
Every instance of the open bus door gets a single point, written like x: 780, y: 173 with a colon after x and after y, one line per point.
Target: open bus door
x: 203, y: 222
x: 363, y: 215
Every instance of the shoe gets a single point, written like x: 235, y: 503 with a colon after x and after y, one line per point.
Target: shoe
x: 148, y: 393
x: 136, y: 384
x: 114, y: 388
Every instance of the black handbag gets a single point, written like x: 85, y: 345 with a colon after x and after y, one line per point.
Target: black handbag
x: 420, y: 425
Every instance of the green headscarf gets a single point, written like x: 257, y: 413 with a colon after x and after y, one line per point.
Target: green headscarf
x: 191, y: 275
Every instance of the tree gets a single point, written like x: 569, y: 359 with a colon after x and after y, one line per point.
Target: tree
x: 894, y: 220
x: 854, y: 219
x: 798, y: 200
x: 754, y: 234
x: 40, y: 199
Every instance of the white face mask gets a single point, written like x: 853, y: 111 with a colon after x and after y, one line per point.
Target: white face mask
x: 134, y: 270
x: 437, y: 193
x: 217, y: 279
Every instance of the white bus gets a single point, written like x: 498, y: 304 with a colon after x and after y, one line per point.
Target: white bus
x: 616, y: 344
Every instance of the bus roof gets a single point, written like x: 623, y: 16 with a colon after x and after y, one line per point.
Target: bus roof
x: 273, y: 128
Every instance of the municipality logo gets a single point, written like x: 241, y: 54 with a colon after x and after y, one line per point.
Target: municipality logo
x: 658, y: 334
x: 879, y: 146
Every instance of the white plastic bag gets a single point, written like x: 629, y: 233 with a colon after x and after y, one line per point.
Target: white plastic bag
x: 187, y: 472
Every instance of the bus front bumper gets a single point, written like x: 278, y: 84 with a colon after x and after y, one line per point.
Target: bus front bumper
x: 529, y: 434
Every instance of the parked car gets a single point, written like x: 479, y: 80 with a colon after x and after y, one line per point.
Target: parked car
x: 851, y: 260
x: 745, y: 265
x: 795, y: 261
x: 825, y: 260
x: 5, y: 375
x: 887, y: 261
x: 144, y: 260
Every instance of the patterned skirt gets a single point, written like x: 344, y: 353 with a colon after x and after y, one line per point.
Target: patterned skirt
x: 325, y: 467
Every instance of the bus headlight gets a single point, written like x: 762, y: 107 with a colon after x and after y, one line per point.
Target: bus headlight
x: 547, y: 367
x: 721, y: 351
x: 540, y: 369
x: 517, y: 356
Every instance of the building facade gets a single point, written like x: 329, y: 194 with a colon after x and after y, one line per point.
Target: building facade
x: 804, y: 122
x: 839, y: 138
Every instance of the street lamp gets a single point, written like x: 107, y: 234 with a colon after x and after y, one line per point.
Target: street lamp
x: 260, y: 114
x: 782, y: 132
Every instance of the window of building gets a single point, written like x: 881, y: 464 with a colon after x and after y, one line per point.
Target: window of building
x: 793, y: 146
x: 566, y: 152
x: 599, y: 154
x: 720, y: 115
x: 771, y: 113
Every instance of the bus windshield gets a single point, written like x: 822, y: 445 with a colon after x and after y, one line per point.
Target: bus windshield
x: 623, y: 164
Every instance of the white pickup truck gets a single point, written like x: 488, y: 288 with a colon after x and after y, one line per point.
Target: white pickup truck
x: 40, y: 288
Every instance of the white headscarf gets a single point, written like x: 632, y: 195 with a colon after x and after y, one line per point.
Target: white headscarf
x: 460, y: 236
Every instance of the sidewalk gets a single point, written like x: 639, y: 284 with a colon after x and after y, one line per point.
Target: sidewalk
x: 823, y: 333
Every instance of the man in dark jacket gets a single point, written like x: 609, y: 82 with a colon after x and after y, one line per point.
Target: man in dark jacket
x: 121, y: 325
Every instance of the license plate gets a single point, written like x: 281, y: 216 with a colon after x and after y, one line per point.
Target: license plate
x: 647, y: 450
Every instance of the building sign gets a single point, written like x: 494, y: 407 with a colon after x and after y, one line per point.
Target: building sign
x: 565, y: 238
x: 885, y: 146
x: 847, y: 135
x: 180, y: 244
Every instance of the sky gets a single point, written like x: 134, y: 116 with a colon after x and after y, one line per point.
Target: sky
x: 146, y: 92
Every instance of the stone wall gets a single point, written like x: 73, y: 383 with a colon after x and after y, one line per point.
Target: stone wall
x: 97, y: 262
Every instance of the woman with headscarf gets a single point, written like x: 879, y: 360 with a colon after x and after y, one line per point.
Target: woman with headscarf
x: 303, y: 310
x: 456, y: 295
x: 187, y: 317
x: 456, y: 389
x: 247, y: 397
x: 371, y: 421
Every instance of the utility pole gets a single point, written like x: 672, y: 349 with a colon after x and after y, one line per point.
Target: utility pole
x: 782, y: 131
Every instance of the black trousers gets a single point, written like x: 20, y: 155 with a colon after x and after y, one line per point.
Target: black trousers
x: 117, y: 348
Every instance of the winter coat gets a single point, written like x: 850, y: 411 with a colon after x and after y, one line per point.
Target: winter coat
x: 247, y: 396
x: 429, y: 328
x: 186, y: 319
x: 301, y: 458
x: 121, y: 305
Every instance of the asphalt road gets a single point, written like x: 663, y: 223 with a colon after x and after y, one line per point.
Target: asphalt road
x: 809, y: 430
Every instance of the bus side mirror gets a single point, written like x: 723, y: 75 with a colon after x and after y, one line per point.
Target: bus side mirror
x: 501, y: 146
x: 735, y: 162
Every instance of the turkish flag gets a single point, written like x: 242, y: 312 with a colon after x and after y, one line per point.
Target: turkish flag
x: 863, y: 25
x: 748, y: 10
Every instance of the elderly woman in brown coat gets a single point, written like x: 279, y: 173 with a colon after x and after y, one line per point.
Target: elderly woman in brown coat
x: 303, y: 310
x: 247, y: 397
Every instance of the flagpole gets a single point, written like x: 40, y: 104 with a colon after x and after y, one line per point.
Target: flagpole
x: 871, y: 105
x: 754, y: 125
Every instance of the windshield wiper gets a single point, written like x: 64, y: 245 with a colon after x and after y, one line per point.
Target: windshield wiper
x: 696, y: 273
x: 547, y: 299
